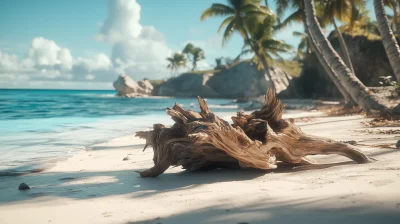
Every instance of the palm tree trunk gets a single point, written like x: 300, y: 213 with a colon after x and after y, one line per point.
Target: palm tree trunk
x: 264, y: 61
x: 194, y: 66
x: 261, y: 58
x: 388, y: 39
x: 343, y: 47
x: 347, y: 98
x: 360, y: 94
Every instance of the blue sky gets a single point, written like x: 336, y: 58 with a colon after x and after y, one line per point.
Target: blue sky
x: 35, y: 33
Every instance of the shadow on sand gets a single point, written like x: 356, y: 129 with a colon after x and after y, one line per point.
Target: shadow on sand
x: 83, y: 185
x: 304, y: 211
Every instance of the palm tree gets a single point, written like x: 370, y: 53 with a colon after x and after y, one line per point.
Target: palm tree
x: 332, y: 10
x: 187, y: 50
x: 262, y: 40
x: 360, y: 94
x: 360, y: 22
x: 175, y: 62
x: 295, y: 16
x: 263, y: 45
x: 239, y: 14
x: 198, y: 55
x: 193, y: 54
x: 331, y: 73
x: 304, y: 45
x: 395, y: 6
x: 299, y: 16
x: 388, y: 39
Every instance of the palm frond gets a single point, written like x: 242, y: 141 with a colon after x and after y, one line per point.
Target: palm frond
x: 298, y: 34
x: 217, y: 10
x: 294, y: 17
x: 230, y: 28
x: 226, y: 22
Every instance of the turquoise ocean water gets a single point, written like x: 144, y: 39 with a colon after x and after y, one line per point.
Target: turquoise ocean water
x: 39, y: 126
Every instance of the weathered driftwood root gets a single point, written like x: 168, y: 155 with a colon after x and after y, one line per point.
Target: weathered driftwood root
x: 199, y: 141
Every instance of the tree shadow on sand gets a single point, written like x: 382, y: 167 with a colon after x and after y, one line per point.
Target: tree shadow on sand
x: 307, y: 210
x: 83, y: 185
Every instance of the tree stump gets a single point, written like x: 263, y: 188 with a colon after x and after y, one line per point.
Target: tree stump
x: 203, y: 141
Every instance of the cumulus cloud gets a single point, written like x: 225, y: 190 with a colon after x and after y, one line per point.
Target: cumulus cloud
x: 122, y: 21
x: 141, y: 58
x: 12, y: 64
x: 139, y: 51
x: 45, y: 52
x: 46, y: 60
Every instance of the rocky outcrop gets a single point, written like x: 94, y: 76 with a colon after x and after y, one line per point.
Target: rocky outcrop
x: 242, y: 81
x: 369, y: 61
x: 187, y: 85
x: 245, y: 81
x: 127, y: 87
x: 146, y: 86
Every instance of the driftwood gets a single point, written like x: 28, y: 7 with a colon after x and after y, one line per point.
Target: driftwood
x: 203, y: 141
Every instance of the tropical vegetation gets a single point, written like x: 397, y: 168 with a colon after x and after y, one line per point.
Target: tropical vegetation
x: 193, y: 54
x: 257, y: 25
x: 176, y: 61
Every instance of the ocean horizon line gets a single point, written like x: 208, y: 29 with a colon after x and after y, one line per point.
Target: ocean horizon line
x: 52, y: 89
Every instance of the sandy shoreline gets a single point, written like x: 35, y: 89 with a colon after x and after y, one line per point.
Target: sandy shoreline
x: 99, y: 186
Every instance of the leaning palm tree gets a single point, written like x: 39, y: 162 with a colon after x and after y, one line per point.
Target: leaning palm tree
x: 332, y: 10
x: 329, y: 70
x: 239, y: 14
x: 198, y: 55
x: 388, y: 39
x: 299, y: 16
x: 360, y: 93
x: 175, y: 62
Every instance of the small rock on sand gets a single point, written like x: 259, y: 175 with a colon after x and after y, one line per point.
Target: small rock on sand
x: 351, y: 142
x: 23, y: 187
x: 398, y: 144
x: 125, y: 159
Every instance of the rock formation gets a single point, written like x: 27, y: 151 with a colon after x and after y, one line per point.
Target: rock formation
x: 241, y: 81
x: 127, y: 87
x: 244, y: 81
x: 187, y: 85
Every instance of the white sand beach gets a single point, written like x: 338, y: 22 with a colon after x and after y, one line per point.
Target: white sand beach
x: 99, y: 186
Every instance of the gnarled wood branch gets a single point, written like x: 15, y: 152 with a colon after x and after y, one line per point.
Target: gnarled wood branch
x: 202, y: 140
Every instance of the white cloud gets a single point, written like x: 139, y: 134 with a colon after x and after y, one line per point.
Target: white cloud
x: 46, y: 61
x: 90, y: 77
x: 45, y: 52
x: 11, y: 63
x: 139, y: 51
x: 122, y: 21
x: 98, y: 67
